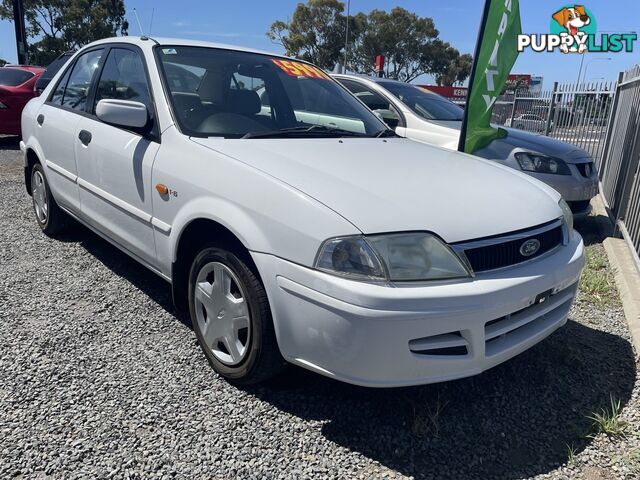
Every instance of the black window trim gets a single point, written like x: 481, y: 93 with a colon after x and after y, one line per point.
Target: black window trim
x: 150, y: 133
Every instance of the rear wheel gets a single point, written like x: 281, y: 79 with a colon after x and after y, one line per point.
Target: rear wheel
x: 231, y: 317
x: 51, y: 219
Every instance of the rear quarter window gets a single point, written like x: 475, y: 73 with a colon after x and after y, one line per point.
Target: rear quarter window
x: 12, y: 77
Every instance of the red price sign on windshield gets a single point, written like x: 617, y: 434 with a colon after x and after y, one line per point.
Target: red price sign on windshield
x: 299, y: 69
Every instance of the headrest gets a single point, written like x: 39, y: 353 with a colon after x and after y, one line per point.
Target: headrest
x: 245, y: 102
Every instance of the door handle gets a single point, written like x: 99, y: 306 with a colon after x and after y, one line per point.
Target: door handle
x: 40, y: 119
x: 85, y: 137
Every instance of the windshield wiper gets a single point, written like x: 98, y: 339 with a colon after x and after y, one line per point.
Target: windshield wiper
x: 387, y: 132
x: 294, y: 132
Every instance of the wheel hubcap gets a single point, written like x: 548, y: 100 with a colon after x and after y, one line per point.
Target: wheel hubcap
x: 222, y: 313
x: 39, y: 193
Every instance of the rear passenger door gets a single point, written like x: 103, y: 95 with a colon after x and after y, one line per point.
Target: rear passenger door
x: 56, y: 125
x: 114, y: 164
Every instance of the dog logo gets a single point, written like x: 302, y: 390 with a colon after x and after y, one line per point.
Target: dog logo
x: 573, y: 20
x: 573, y: 29
x: 530, y: 247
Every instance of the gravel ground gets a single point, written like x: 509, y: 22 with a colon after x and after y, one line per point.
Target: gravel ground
x: 100, y: 379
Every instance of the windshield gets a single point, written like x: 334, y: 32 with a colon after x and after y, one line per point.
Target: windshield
x: 12, y: 77
x: 429, y: 106
x: 225, y: 93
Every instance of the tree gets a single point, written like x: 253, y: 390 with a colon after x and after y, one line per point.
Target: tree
x: 62, y: 25
x: 404, y: 38
x: 456, y: 70
x: 3, y: 62
x: 409, y: 42
x: 316, y: 32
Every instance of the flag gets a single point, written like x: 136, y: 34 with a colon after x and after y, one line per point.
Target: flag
x: 496, y: 52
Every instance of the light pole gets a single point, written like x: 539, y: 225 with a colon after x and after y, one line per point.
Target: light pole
x: 21, y: 35
x: 590, y: 62
x: 346, y: 36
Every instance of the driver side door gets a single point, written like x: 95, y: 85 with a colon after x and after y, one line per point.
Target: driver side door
x: 114, y: 163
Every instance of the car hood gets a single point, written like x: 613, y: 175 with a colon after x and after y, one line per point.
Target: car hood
x: 388, y: 185
x: 515, y: 139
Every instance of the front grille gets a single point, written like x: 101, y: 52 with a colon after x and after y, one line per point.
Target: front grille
x: 496, y: 254
x: 585, y: 169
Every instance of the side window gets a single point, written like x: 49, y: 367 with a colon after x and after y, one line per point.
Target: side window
x: 375, y: 102
x: 58, y: 93
x: 123, y: 78
x: 79, y: 82
x: 371, y: 99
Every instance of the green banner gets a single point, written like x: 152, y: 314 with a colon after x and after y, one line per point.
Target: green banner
x: 496, y: 52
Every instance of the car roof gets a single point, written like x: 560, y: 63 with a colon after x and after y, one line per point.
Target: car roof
x: 29, y: 68
x: 380, y: 80
x: 182, y: 42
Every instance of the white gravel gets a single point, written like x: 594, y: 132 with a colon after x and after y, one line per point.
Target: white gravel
x: 99, y: 379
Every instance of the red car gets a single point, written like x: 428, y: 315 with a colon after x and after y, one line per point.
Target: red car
x: 17, y: 87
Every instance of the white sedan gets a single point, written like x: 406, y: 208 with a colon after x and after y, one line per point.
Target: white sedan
x: 291, y: 223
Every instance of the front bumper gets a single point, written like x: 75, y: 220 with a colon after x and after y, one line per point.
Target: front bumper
x: 381, y: 336
x: 574, y: 187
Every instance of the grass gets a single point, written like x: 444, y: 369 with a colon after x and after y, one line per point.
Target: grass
x: 608, y: 421
x: 426, y: 418
x: 597, y: 283
x: 631, y: 459
x: 572, y: 458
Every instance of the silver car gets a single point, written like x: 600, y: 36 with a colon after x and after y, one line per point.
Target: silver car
x: 427, y: 117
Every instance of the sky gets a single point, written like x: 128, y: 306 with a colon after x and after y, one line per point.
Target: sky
x: 245, y: 23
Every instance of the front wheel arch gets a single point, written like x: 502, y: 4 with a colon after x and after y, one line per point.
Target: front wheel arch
x: 195, y: 234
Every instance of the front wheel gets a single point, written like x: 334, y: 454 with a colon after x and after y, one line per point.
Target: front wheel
x: 231, y: 317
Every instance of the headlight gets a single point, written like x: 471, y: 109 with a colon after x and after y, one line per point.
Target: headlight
x: 567, y: 215
x: 533, y: 162
x: 390, y: 257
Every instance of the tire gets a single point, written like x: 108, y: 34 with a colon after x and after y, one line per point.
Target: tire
x: 231, y: 317
x: 51, y: 219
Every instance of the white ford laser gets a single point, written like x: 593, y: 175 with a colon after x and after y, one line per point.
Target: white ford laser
x: 291, y: 223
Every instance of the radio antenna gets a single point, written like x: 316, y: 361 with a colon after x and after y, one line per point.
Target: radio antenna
x: 151, y: 22
x: 135, y: 13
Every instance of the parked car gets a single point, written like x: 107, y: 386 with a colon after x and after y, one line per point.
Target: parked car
x: 17, y: 84
x: 427, y: 117
x: 294, y: 226
x: 529, y: 122
x: 51, y: 70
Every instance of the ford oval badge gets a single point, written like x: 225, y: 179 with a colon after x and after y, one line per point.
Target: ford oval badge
x: 530, y: 247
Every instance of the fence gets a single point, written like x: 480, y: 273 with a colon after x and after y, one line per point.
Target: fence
x: 619, y: 173
x: 602, y: 118
x: 574, y: 113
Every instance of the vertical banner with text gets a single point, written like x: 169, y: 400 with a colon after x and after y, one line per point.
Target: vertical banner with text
x: 496, y: 52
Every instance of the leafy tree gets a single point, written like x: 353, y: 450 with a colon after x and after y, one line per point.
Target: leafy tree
x: 3, y: 62
x: 316, y: 32
x: 409, y: 42
x: 62, y: 25
x: 405, y: 39
x: 456, y: 70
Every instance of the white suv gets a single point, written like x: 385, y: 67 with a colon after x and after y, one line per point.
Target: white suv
x: 291, y: 223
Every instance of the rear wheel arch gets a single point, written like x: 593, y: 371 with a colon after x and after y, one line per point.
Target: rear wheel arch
x: 32, y: 159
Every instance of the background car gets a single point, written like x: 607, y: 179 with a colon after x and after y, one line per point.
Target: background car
x: 528, y: 121
x: 17, y: 87
x: 427, y: 117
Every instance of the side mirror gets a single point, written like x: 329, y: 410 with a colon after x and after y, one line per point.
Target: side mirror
x: 388, y: 116
x: 123, y: 113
